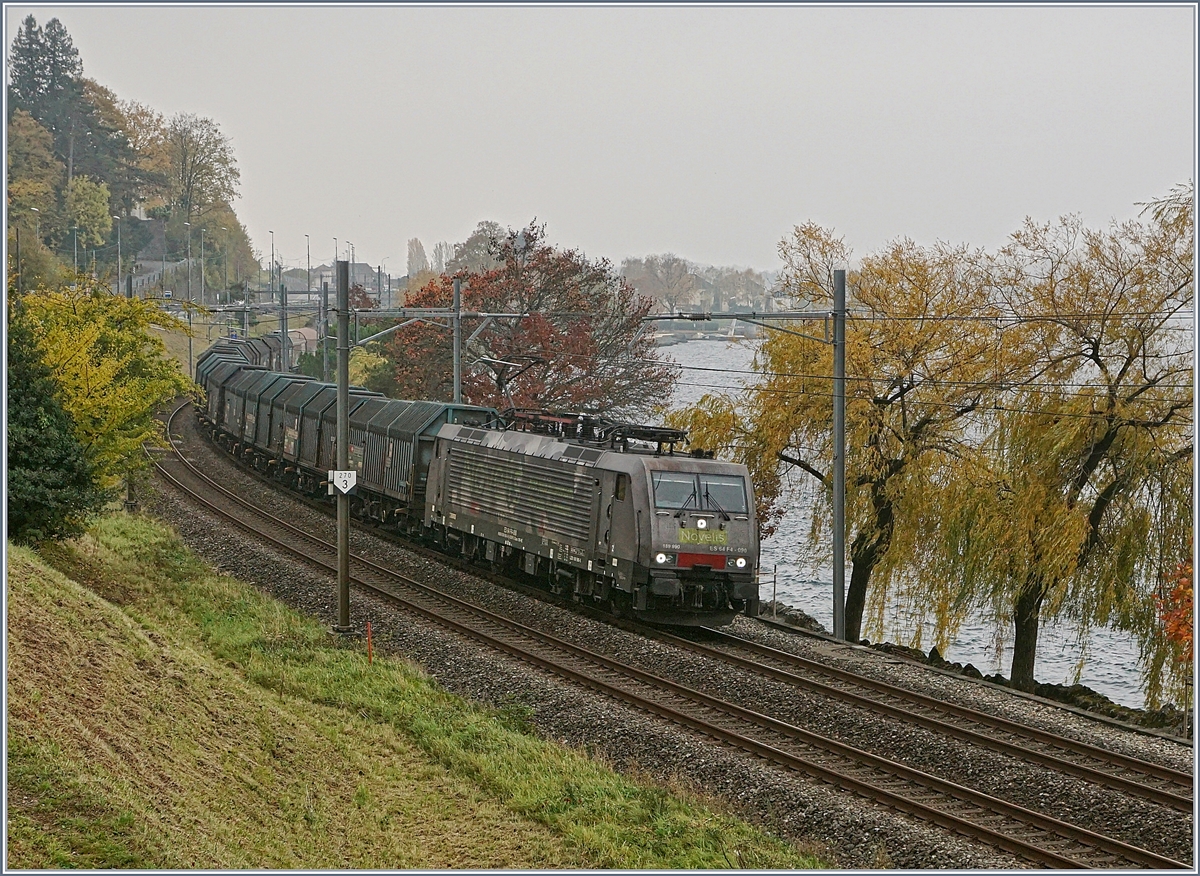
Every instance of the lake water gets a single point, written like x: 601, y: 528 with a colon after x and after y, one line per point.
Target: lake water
x: 1111, y: 668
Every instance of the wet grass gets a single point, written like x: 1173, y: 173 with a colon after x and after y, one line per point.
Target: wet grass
x: 161, y: 715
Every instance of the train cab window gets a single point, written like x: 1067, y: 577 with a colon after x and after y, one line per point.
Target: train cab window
x: 723, y: 493
x: 699, y: 492
x: 673, y: 489
x: 621, y: 489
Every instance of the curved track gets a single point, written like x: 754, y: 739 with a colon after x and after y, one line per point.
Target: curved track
x: 1032, y: 836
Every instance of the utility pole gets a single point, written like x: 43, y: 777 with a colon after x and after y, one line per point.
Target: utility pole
x: 325, y: 331
x: 332, y: 279
x: 226, y: 284
x: 286, y: 348
x: 458, y: 340
x: 202, y: 267
x: 839, y: 455
x: 188, y: 225
x: 343, y: 443
x: 308, y: 278
x: 118, y: 218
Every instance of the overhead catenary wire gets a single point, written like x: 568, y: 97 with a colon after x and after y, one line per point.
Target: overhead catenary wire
x: 982, y: 408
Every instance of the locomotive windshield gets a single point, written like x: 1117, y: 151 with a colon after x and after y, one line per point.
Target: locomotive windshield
x: 676, y: 490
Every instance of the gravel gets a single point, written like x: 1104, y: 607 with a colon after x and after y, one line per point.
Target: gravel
x: 847, y: 831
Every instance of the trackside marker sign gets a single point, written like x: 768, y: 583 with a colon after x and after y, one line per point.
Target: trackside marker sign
x: 344, y: 481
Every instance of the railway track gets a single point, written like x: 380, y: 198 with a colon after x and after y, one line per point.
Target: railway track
x: 1138, y: 778
x: 1032, y: 836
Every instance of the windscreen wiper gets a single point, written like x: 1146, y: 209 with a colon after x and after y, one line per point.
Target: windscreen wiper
x: 708, y: 498
x: 689, y: 499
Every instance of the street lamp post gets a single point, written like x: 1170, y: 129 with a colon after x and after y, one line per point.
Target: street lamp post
x: 75, y: 248
x: 188, y: 225
x: 227, y: 297
x: 118, y: 218
x: 201, y: 267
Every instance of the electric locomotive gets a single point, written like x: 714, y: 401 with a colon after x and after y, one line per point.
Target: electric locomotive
x: 607, y: 512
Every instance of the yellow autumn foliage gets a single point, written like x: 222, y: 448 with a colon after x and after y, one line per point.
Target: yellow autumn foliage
x: 110, y: 367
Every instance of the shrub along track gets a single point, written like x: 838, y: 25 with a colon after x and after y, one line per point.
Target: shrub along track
x: 1032, y: 836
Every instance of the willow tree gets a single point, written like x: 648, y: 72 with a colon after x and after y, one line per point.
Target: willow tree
x: 921, y: 356
x: 1082, y: 504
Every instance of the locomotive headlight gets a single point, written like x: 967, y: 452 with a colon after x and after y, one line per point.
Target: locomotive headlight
x: 740, y: 562
x: 660, y: 559
x: 701, y: 523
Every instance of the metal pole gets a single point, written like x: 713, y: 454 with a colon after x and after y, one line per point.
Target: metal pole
x: 325, y: 331
x: 285, y: 349
x: 118, y: 218
x: 189, y: 266
x: 839, y: 455
x: 343, y: 443
x: 189, y: 338
x: 189, y: 259
x: 457, y: 340
x: 201, y: 267
x: 75, y: 257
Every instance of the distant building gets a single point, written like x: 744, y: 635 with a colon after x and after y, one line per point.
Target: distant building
x: 377, y: 283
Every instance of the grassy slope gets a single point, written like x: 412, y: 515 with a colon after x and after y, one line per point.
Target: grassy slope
x: 163, y: 716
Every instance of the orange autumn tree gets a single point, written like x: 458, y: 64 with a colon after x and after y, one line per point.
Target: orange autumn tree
x: 579, y: 345
x: 1175, y: 611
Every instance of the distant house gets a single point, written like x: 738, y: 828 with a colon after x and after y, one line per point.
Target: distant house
x: 376, y: 282
x: 296, y: 280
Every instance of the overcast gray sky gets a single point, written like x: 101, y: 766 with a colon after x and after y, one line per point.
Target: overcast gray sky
x: 704, y: 131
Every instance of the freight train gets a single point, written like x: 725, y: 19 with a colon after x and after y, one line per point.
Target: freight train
x: 611, y: 514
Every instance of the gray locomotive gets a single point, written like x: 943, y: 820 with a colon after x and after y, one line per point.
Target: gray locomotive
x: 608, y: 513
